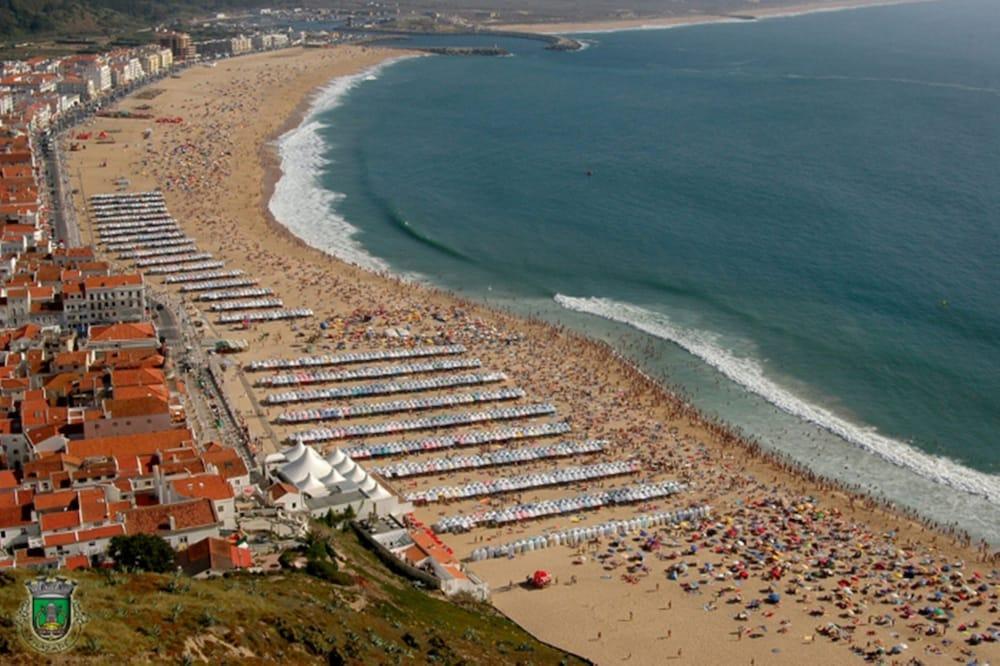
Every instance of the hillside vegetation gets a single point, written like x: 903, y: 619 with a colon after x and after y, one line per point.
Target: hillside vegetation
x: 292, y: 617
x: 23, y: 18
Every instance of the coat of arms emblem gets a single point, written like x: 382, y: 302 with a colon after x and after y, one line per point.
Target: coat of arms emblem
x: 49, y: 620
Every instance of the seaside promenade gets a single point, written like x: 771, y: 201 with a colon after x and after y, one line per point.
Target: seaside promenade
x: 783, y: 570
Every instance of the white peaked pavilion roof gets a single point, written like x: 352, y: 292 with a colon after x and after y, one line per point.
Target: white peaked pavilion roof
x: 378, y: 493
x: 346, y: 466
x: 275, y: 458
x: 369, y: 485
x: 312, y: 486
x: 308, y: 463
x: 293, y: 453
x: 358, y: 475
x: 332, y: 479
x: 318, y: 477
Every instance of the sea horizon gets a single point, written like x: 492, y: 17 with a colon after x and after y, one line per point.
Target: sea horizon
x: 727, y: 373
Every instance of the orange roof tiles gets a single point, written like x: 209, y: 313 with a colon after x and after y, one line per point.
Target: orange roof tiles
x: 158, y: 391
x: 146, y: 406
x: 210, y: 486
x: 227, y: 460
x: 112, y: 281
x: 130, y: 445
x: 134, y: 331
x: 76, y: 562
x: 7, y: 480
x: 154, y: 519
x: 15, y: 516
x: 130, y: 358
x: 137, y: 377
x: 60, y: 500
x: 59, y: 520
x: 73, y: 358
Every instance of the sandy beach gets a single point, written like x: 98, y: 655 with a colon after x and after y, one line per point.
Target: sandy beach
x: 696, y: 19
x: 849, y: 573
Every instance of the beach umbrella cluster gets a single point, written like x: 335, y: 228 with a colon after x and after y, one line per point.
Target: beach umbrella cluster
x: 426, y: 423
x: 169, y: 250
x: 510, y: 484
x: 164, y: 261
x: 170, y: 241
x: 182, y: 268
x: 368, y: 372
x: 354, y: 357
x: 564, y: 505
x: 265, y: 315
x: 505, y: 457
x: 577, y: 535
x: 227, y: 294
x: 205, y: 277
x: 474, y: 438
x: 385, y: 388
x: 410, y: 405
x: 249, y: 304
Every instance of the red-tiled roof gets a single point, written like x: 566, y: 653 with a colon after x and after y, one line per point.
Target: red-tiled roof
x: 226, y: 460
x: 59, y: 520
x: 135, y: 407
x: 75, y: 562
x: 7, y: 480
x: 135, y: 331
x: 130, y: 445
x: 155, y: 519
x: 210, y: 486
x: 138, y: 377
x: 112, y: 281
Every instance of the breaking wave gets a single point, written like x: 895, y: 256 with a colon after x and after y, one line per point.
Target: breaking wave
x: 749, y: 374
x: 300, y: 202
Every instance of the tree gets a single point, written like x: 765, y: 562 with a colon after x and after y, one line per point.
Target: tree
x: 142, y: 552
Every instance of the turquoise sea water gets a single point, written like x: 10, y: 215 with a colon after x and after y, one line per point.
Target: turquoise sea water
x: 797, y: 221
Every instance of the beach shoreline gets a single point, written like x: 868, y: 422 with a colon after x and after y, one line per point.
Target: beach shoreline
x: 236, y: 223
x: 668, y: 22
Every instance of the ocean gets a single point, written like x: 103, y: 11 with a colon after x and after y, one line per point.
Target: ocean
x: 795, y: 222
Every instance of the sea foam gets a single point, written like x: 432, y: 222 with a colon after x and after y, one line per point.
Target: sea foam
x: 749, y: 374
x: 300, y: 202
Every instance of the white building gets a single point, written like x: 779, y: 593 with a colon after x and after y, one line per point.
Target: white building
x: 108, y: 298
x: 99, y: 75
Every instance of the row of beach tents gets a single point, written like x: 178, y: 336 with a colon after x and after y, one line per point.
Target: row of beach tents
x: 564, y: 505
x: 510, y: 484
x: 425, y: 423
x: 408, y: 405
x: 367, y: 372
x: 577, y: 535
x: 354, y: 357
x: 474, y: 438
x: 409, y: 468
x: 385, y: 388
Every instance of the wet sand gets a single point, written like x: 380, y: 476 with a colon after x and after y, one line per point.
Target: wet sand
x: 217, y: 169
